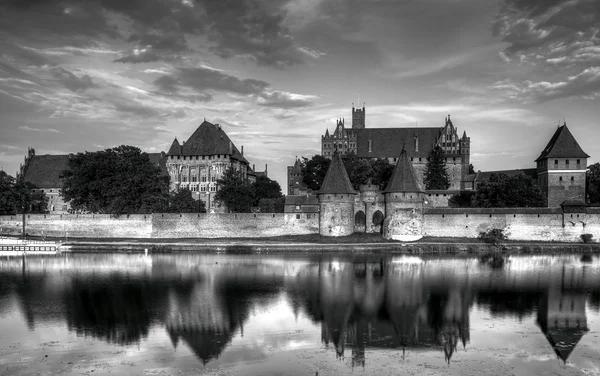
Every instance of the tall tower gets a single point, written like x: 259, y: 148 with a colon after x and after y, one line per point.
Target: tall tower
x: 561, y: 169
x: 358, y: 118
x: 465, y: 157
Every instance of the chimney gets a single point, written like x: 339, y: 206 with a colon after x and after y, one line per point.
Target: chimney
x: 253, y: 167
x: 230, y: 148
x: 242, y: 150
x: 265, y: 168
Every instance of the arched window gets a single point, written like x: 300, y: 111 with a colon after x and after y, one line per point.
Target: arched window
x: 360, y: 219
x: 377, y: 217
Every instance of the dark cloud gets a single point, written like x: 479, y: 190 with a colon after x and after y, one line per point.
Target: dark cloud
x: 249, y: 29
x: 205, y: 79
x: 71, y: 81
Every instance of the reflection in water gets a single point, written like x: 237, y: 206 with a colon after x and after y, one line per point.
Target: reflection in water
x: 360, y: 304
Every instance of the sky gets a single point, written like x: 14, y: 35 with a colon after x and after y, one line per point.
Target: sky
x: 275, y: 74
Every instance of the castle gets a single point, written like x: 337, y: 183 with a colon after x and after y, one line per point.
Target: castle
x: 196, y: 164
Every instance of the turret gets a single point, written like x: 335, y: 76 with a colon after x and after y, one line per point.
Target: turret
x: 358, y: 118
x: 336, y: 199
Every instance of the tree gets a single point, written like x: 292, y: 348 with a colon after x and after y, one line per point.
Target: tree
x: 121, y: 180
x: 382, y: 172
x: 471, y: 169
x: 360, y: 173
x: 436, y: 175
x: 265, y: 188
x: 314, y: 171
x: 18, y: 197
x: 462, y: 200
x: 235, y: 192
x: 183, y: 202
x: 502, y: 191
x: 592, y: 182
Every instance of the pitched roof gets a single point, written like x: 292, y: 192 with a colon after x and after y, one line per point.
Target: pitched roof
x: 175, y: 148
x: 385, y: 142
x: 208, y: 139
x: 301, y: 200
x: 562, y: 145
x: 44, y: 170
x: 403, y: 177
x: 336, y: 180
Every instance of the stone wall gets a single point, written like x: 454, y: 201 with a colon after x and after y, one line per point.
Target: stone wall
x: 535, y: 224
x: 163, y: 225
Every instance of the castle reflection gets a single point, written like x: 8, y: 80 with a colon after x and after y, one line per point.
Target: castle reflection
x: 361, y: 304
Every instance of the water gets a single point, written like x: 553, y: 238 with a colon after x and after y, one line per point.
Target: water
x: 193, y: 314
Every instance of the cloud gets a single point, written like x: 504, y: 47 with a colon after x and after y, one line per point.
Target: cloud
x: 28, y: 128
x: 205, y: 79
x: 154, y: 47
x: 71, y: 81
x: 559, y: 40
x: 253, y: 30
x: 584, y: 85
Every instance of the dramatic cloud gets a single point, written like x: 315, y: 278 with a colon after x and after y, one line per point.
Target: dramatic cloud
x: 249, y: 29
x: 205, y: 79
x: 559, y: 37
x: 71, y: 81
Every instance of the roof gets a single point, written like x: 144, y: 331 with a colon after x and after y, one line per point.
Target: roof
x: 297, y: 168
x: 336, y: 180
x: 562, y: 145
x: 208, y: 139
x: 385, y: 142
x: 485, y: 175
x: 301, y: 200
x: 403, y: 177
x: 44, y: 170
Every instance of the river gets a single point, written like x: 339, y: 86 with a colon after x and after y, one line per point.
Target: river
x: 317, y: 314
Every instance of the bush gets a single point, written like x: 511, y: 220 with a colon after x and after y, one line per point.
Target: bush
x: 587, y: 238
x: 492, y: 236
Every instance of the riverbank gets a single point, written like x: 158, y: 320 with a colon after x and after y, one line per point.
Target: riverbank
x: 314, y: 243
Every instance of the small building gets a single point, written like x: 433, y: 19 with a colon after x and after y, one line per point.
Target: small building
x: 301, y: 204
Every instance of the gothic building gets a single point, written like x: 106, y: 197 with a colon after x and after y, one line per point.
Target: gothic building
x: 362, y: 142
x: 197, y: 164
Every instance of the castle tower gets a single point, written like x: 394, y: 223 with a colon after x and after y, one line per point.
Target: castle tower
x: 561, y: 169
x: 358, y: 118
x: 403, y: 203
x: 336, y: 199
x: 465, y: 157
x: 371, y: 201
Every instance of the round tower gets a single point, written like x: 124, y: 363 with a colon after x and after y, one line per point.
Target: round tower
x: 403, y: 203
x: 336, y: 200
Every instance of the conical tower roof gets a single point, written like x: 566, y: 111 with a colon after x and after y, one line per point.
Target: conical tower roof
x: 562, y: 145
x: 175, y: 148
x: 403, y: 178
x: 336, y: 180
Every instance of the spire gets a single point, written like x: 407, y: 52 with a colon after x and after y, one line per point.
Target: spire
x: 336, y: 180
x: 403, y: 177
x: 464, y: 135
x: 327, y: 133
x: 562, y: 145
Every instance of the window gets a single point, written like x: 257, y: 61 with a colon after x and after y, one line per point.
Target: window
x: 567, y: 162
x: 203, y: 188
x: 297, y: 207
x: 213, y: 178
x: 213, y: 188
x: 556, y: 162
x: 572, y: 178
x: 184, y: 179
x: 419, y: 159
x: 560, y: 178
x: 204, y: 178
x: 297, y: 216
x: 194, y: 179
x: 579, y: 161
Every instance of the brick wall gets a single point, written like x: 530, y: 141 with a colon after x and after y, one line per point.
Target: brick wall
x: 163, y: 225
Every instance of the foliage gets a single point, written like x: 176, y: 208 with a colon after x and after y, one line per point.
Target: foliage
x: 360, y: 173
x: 436, y: 174
x: 592, y: 181
x: 503, y: 191
x: 183, y: 202
x: 493, y: 236
x: 382, y: 172
x: 462, y: 200
x: 17, y: 197
x: 235, y: 192
x: 314, y: 170
x: 271, y: 205
x: 121, y: 180
x: 265, y: 188
x: 587, y: 238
